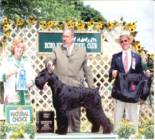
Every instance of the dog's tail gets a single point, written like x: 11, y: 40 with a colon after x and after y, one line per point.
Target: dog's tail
x: 96, y: 90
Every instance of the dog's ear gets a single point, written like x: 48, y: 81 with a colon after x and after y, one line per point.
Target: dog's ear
x: 42, y: 73
x: 38, y: 82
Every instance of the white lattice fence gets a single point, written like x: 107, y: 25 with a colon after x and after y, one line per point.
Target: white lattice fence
x: 99, y: 63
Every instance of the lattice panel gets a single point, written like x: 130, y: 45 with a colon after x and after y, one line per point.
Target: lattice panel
x: 99, y: 63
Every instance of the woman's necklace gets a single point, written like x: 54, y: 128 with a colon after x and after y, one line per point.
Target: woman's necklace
x: 18, y: 62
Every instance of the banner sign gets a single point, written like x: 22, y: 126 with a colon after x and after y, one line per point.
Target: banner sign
x: 47, y: 41
x: 16, y: 114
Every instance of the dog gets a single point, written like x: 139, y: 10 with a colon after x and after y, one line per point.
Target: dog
x: 67, y: 97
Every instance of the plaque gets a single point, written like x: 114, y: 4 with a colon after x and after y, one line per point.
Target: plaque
x: 45, y: 121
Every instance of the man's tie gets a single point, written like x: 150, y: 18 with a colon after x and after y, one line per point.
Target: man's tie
x: 125, y: 63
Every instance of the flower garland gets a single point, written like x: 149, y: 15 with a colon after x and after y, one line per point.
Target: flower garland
x: 77, y: 25
x: 99, y: 26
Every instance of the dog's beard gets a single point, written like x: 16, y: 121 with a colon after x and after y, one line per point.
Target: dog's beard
x: 39, y: 83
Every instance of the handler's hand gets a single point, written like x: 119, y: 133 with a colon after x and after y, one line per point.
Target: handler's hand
x: 114, y: 73
x: 148, y: 73
x: 50, y: 66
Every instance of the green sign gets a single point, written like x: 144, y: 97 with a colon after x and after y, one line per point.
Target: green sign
x: 50, y: 40
x: 16, y: 114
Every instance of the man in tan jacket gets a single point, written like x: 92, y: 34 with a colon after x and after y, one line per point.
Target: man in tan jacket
x: 70, y: 64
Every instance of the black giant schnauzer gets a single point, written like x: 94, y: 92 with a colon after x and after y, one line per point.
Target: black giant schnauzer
x: 67, y: 97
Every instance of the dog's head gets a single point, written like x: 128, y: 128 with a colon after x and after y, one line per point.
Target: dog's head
x: 42, y: 78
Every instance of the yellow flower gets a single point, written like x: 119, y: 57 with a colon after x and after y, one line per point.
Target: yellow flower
x: 141, y: 130
x: 43, y: 24
x: 99, y: 25
x: 58, y: 25
x: 19, y: 22
x: 6, y: 27
x: 5, y: 20
x: 130, y: 26
x: 125, y: 123
x: 80, y: 26
x: 50, y: 24
x: 31, y: 20
x: 137, y: 46
x: 7, y: 34
x: 111, y: 25
x: 90, y: 24
x: 70, y: 24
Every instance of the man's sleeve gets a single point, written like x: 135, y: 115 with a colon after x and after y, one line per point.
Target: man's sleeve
x: 88, y: 74
x: 113, y: 67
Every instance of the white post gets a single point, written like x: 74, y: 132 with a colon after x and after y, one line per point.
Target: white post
x: 2, y: 116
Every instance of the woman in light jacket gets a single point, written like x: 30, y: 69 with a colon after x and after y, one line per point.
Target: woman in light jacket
x: 17, y: 74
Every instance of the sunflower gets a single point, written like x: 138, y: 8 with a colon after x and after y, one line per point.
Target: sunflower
x: 5, y: 20
x: 80, y: 26
x: 50, y: 24
x: 70, y: 24
x: 7, y: 34
x: 6, y: 27
x: 99, y: 25
x: 130, y: 26
x: 125, y: 122
x: 32, y: 20
x: 19, y: 22
x: 112, y: 24
x: 90, y: 24
x: 43, y: 24
x: 58, y: 25
x: 137, y: 45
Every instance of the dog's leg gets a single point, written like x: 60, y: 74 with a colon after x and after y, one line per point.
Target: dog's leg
x: 62, y: 122
x: 98, y: 111
x: 97, y: 117
x: 58, y: 122
x: 95, y: 124
x: 62, y: 125
x: 105, y: 122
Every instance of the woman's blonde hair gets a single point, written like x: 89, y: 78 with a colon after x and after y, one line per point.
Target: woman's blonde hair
x: 17, y: 40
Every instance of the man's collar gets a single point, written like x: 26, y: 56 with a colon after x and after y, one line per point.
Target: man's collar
x: 68, y: 47
x: 128, y: 51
